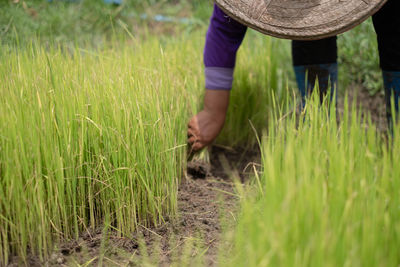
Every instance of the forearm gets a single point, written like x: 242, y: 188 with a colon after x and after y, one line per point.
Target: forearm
x: 224, y: 37
x: 216, y: 102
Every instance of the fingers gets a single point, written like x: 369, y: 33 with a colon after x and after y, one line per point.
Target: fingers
x: 192, y: 140
x: 194, y: 145
x: 194, y: 137
x: 197, y: 146
x: 192, y: 123
x: 191, y: 132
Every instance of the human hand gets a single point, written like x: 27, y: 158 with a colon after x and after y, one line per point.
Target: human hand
x: 204, y: 127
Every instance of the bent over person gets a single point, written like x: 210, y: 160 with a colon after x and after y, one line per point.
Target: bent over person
x: 312, y: 61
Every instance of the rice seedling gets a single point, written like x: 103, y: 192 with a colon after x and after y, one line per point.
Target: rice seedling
x: 89, y: 135
x: 93, y: 134
x: 329, y: 195
x: 199, y: 164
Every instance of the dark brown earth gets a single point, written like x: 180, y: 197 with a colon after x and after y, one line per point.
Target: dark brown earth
x: 207, y: 205
x: 374, y: 105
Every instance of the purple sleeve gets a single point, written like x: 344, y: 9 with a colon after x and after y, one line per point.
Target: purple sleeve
x: 223, y: 39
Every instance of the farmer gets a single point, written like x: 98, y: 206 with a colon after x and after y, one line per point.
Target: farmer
x: 311, y: 60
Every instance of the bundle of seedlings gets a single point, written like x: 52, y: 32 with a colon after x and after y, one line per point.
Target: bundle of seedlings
x: 199, y: 165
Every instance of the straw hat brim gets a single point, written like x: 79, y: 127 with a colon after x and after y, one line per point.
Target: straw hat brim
x: 301, y: 19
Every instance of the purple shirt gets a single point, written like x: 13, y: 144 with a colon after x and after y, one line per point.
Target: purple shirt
x: 223, y: 39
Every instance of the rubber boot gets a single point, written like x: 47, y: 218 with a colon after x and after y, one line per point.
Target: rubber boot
x: 391, y: 80
x: 306, y: 76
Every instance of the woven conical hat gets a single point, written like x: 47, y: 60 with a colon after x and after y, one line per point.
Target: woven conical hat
x: 301, y: 19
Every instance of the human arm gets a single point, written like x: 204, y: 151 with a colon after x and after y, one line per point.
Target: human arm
x: 224, y: 37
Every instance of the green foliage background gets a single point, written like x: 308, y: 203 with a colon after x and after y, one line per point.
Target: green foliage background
x: 92, y: 23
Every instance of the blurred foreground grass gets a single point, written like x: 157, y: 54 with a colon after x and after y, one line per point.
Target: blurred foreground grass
x: 327, y: 195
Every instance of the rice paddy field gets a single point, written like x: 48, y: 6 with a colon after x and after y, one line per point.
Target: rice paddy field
x: 93, y: 119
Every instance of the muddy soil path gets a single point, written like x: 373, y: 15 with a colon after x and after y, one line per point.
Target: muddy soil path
x: 205, y: 202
